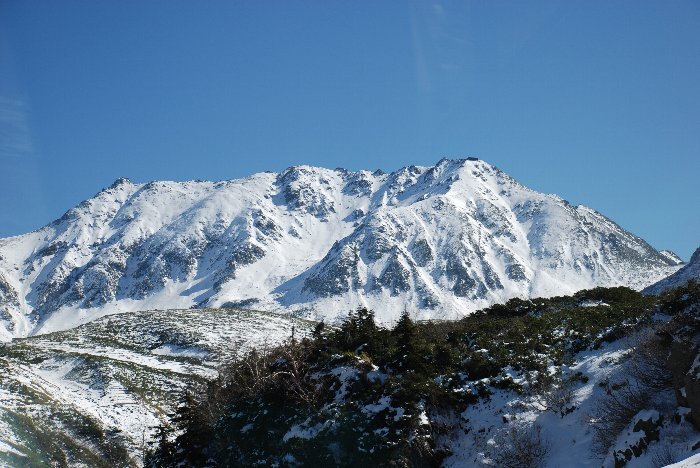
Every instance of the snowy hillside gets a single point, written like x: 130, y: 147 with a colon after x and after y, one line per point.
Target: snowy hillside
x: 439, y: 241
x: 607, y: 377
x: 93, y: 395
x: 690, y: 271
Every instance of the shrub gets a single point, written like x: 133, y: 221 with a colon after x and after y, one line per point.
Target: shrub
x: 269, y: 371
x: 680, y: 299
x: 520, y: 446
x: 554, y: 394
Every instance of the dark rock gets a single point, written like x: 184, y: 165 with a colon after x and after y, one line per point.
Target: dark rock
x: 338, y: 272
x: 421, y: 252
x: 516, y: 272
x: 395, y: 277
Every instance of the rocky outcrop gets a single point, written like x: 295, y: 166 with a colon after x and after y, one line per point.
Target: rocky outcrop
x: 684, y: 363
x: 643, y: 430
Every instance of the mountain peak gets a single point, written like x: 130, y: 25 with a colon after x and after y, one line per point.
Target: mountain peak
x: 445, y: 160
x: 120, y: 181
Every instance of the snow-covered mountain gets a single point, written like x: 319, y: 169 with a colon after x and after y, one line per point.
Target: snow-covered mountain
x: 690, y: 271
x: 439, y: 241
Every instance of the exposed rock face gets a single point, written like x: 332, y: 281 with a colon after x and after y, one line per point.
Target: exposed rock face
x: 644, y: 430
x: 8, y: 295
x: 684, y: 363
x: 441, y: 241
x: 337, y: 274
x: 9, y: 301
x: 396, y: 275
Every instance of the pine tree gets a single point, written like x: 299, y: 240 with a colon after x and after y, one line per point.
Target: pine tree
x: 163, y: 455
x: 367, y: 328
x: 358, y: 330
x: 408, y: 349
x: 405, y: 331
x: 318, y: 331
x: 191, y: 444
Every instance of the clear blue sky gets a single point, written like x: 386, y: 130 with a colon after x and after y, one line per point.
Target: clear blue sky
x: 598, y: 101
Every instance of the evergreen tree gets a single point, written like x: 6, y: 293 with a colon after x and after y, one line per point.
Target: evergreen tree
x: 317, y: 334
x: 358, y: 330
x: 405, y: 331
x: 367, y: 328
x: 408, y: 346
x: 163, y: 454
x: 196, y: 433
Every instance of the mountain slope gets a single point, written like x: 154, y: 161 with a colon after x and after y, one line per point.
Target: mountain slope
x: 690, y: 271
x: 92, y: 396
x: 606, y: 377
x: 441, y: 241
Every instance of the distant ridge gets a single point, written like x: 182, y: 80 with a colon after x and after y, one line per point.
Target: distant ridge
x: 690, y: 271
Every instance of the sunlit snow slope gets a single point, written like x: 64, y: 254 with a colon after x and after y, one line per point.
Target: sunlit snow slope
x: 690, y: 271
x: 439, y: 241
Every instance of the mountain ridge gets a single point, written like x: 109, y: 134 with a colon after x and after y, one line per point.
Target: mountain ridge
x: 689, y: 271
x: 441, y: 241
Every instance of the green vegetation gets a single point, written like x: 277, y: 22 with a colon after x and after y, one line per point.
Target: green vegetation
x: 364, y: 395
x: 53, y: 447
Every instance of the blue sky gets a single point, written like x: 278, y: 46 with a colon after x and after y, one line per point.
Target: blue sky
x: 598, y: 101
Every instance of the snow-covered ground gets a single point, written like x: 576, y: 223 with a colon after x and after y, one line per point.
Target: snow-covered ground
x: 689, y: 462
x: 569, y: 438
